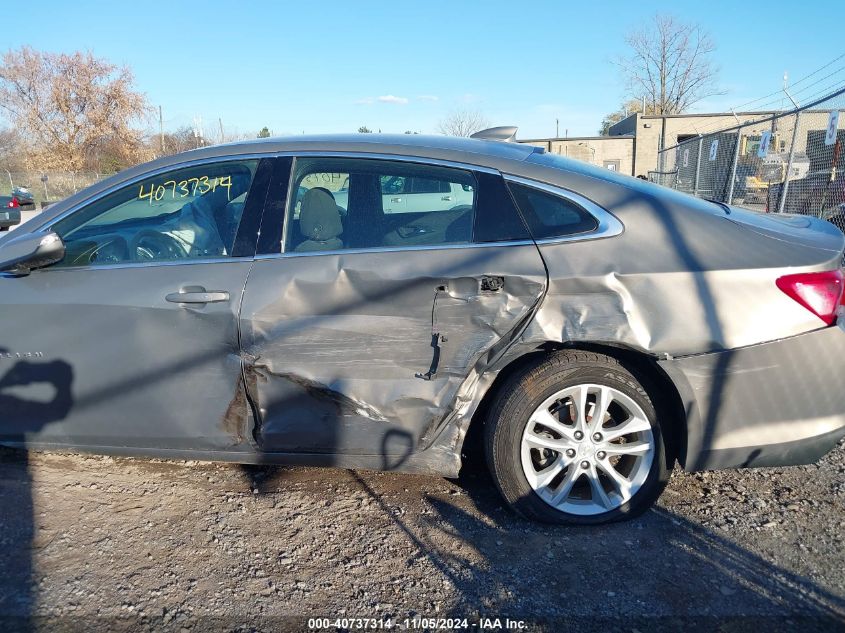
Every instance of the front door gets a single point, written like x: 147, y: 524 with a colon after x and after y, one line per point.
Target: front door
x: 359, y: 345
x: 132, y: 340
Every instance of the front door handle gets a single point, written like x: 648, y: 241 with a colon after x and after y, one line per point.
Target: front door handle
x: 198, y: 296
x: 396, y: 199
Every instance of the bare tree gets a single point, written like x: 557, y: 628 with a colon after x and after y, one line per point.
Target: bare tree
x: 67, y: 106
x: 670, y: 65
x: 463, y: 123
x: 180, y: 140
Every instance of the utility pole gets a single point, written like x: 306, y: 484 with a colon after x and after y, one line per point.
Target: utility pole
x: 161, y: 129
x: 557, y: 128
x: 220, y: 121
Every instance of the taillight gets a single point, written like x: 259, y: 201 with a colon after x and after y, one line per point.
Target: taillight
x: 820, y: 293
x: 13, y: 203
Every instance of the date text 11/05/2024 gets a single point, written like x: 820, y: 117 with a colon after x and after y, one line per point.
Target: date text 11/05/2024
x: 417, y: 624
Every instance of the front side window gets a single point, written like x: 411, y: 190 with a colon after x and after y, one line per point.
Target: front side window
x: 351, y: 203
x: 550, y: 216
x: 188, y: 213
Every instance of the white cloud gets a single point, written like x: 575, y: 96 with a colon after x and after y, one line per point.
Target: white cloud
x: 428, y: 98
x: 365, y: 101
x: 393, y: 99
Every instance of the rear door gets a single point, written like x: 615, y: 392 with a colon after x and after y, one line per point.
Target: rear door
x: 361, y: 349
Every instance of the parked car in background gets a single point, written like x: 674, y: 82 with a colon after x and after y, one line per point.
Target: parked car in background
x: 816, y: 194
x: 413, y: 194
x: 24, y: 197
x: 10, y: 212
x: 399, y: 194
x: 587, y: 329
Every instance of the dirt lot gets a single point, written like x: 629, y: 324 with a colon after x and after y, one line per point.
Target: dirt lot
x: 102, y: 543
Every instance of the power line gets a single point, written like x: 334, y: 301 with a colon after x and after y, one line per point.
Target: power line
x: 826, y: 91
x: 818, y: 81
x: 803, y: 79
x: 771, y: 105
x: 830, y: 63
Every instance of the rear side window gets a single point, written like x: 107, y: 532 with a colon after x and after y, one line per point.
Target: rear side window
x: 362, y: 203
x: 548, y: 215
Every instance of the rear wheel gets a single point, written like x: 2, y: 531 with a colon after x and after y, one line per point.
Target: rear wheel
x: 575, y: 439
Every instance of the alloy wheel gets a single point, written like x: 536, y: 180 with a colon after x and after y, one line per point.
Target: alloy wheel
x: 587, y: 449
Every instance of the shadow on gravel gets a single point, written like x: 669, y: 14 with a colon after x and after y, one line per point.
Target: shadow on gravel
x: 32, y: 395
x: 658, y: 572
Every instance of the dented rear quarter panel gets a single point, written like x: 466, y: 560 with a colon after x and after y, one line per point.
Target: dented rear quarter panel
x: 683, y: 278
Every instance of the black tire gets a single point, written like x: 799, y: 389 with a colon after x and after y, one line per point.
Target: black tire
x: 526, y: 390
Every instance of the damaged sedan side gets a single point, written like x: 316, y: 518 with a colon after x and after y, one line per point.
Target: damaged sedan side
x: 283, y: 301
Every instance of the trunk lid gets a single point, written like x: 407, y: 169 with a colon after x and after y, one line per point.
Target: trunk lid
x: 792, y: 229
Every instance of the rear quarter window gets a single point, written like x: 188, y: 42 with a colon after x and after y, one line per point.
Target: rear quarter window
x: 548, y: 215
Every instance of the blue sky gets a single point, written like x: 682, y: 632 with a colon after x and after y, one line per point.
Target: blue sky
x: 322, y: 66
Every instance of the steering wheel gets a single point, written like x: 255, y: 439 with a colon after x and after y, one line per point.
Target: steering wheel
x: 152, y: 245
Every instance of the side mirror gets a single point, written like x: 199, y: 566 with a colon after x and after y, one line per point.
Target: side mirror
x: 36, y: 250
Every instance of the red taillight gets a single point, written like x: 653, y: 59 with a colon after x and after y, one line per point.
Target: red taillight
x: 820, y: 293
x: 13, y: 203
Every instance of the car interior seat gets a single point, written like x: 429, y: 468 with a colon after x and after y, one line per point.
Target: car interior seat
x: 319, y: 222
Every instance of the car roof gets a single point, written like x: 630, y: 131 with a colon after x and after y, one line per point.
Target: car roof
x: 476, y: 152
x: 416, y: 144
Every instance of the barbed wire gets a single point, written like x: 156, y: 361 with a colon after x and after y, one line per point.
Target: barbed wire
x: 768, y: 108
x: 795, y: 83
x: 797, y: 168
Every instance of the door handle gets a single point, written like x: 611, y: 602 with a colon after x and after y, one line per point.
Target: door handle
x: 447, y: 198
x: 396, y: 199
x: 198, y: 296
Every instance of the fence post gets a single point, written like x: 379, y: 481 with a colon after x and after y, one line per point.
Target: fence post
x: 785, y: 188
x: 697, y: 166
x: 737, y: 145
x: 677, y: 167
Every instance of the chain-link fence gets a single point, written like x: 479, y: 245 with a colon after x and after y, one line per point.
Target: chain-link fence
x: 789, y: 163
x: 46, y: 187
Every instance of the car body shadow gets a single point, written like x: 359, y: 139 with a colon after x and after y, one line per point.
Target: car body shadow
x: 657, y: 572
x: 32, y: 395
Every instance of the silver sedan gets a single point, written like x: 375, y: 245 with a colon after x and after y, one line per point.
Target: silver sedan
x: 257, y: 303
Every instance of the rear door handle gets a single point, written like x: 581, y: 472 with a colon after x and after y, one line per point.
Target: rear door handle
x: 198, y: 296
x: 447, y: 198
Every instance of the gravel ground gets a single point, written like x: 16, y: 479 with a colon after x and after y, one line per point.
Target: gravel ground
x: 111, y: 543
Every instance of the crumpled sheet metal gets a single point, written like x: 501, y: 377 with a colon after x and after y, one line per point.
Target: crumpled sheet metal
x: 333, y: 353
x: 673, y: 314
x: 350, y: 329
